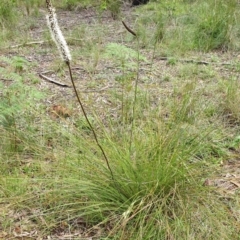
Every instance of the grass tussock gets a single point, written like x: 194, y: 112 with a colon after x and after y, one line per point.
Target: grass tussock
x: 190, y: 26
x: 156, y: 190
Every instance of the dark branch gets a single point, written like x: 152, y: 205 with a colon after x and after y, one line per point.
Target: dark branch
x: 131, y: 31
x: 53, y: 81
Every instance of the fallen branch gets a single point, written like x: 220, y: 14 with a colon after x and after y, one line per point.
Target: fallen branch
x: 48, y: 71
x: 6, y: 80
x: 194, y: 61
x: 53, y: 81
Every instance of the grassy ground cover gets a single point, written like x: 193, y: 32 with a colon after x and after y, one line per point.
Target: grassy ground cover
x: 164, y: 105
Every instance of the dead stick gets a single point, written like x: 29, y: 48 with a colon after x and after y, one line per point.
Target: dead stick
x: 194, y: 61
x: 53, y: 81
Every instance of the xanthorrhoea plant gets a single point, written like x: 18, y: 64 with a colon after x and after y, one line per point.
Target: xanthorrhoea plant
x: 62, y: 46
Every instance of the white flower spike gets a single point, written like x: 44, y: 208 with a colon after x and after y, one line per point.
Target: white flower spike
x: 57, y: 35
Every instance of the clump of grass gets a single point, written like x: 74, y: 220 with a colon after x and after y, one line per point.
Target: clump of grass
x: 214, y: 26
x: 102, y: 5
x: 71, y: 4
x: 231, y: 101
x: 184, y: 105
x: 7, y: 13
x: 157, y: 192
x: 112, y: 5
x: 190, y: 25
x: 159, y: 195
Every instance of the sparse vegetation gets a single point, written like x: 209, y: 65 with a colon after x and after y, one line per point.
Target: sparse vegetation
x: 164, y: 105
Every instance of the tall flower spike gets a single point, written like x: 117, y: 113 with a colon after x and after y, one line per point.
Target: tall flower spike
x: 65, y: 53
x: 57, y: 35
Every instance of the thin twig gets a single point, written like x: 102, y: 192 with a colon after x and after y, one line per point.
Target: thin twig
x: 27, y: 44
x: 134, y: 100
x: 86, y: 117
x: 53, y: 81
x: 130, y: 30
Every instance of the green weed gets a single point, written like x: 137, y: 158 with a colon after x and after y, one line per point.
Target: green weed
x: 17, y: 100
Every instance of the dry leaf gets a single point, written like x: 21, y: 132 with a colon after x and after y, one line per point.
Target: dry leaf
x: 57, y: 111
